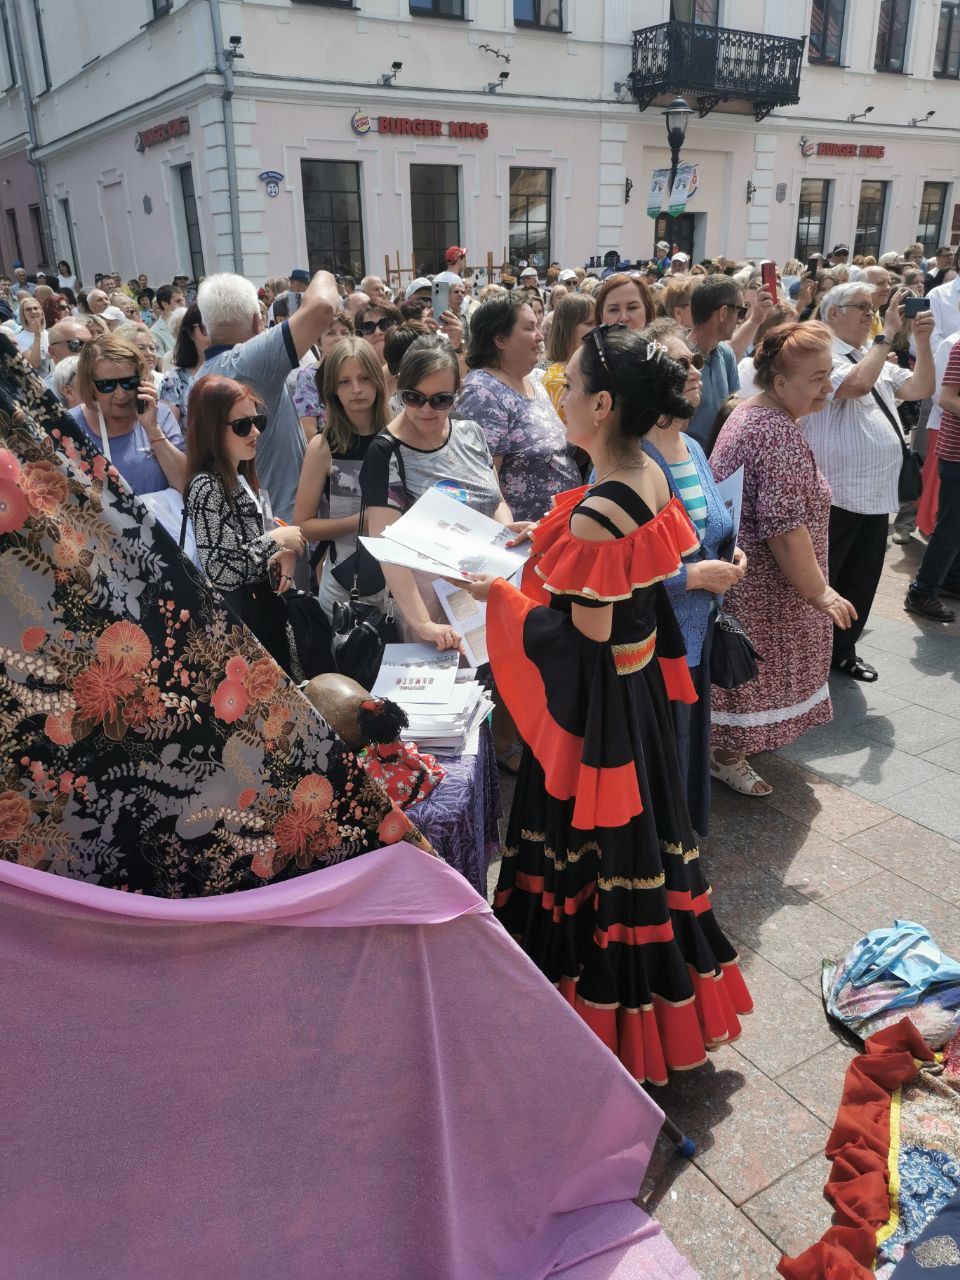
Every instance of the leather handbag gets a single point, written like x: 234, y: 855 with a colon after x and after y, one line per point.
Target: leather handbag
x: 733, y: 659
x: 910, y: 482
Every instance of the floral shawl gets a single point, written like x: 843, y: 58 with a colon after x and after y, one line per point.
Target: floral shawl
x: 147, y: 741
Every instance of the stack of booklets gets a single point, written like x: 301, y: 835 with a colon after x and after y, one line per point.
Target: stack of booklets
x: 446, y: 707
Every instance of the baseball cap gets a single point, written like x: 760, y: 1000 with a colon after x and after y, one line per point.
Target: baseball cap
x: 301, y: 276
x: 680, y: 257
x: 839, y: 248
x: 182, y: 275
x: 566, y: 274
x: 113, y: 313
x: 415, y: 286
x: 529, y: 271
x: 455, y: 253
x: 664, y: 244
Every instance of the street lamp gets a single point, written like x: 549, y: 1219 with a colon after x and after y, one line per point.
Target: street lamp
x: 675, y: 116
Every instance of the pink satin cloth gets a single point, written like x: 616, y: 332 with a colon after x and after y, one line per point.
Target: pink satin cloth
x: 349, y: 1074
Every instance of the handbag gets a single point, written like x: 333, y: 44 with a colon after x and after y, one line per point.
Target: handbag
x: 910, y: 481
x: 733, y: 659
x: 312, y: 635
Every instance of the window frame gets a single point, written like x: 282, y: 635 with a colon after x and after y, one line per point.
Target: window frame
x: 860, y: 243
x: 548, y: 222
x: 444, y: 17
x: 437, y: 249
x: 827, y: 8
x: 194, y: 237
x: 810, y: 247
x: 8, y: 49
x: 882, y: 63
x: 160, y: 8
x: 932, y: 243
x: 696, y: 22
x: 13, y: 226
x: 42, y: 46
x: 39, y: 234
x: 953, y: 28
x: 538, y: 24
x: 348, y: 268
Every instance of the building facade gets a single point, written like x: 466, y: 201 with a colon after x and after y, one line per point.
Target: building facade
x: 198, y: 135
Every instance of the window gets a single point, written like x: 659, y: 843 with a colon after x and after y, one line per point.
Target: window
x: 530, y: 215
x: 812, y: 217
x: 41, y: 42
x: 15, y: 235
x: 333, y: 217
x: 538, y: 13
x: 437, y: 8
x: 39, y: 239
x: 435, y: 211
x: 870, y: 218
x: 892, y: 35
x: 933, y: 205
x: 11, y: 67
x: 192, y: 217
x: 160, y: 7
x: 679, y: 231
x: 68, y: 224
x: 705, y: 13
x: 946, y: 63
x: 826, y: 31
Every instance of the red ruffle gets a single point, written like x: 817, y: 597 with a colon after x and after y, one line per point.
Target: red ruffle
x: 566, y: 565
x: 859, y: 1146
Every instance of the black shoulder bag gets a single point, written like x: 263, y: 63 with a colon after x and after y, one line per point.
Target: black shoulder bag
x: 910, y: 483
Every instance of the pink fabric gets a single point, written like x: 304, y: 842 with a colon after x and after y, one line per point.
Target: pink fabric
x: 376, y: 1089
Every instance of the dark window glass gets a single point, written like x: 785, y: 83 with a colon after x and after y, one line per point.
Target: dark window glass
x: 68, y: 223
x: 677, y: 231
x: 39, y: 239
x: 826, y: 30
x: 437, y: 8
x: 160, y: 7
x: 333, y: 214
x: 193, y: 220
x: 538, y: 13
x: 892, y: 35
x: 531, y: 215
x: 870, y: 218
x: 812, y: 217
x: 8, y: 46
x: 946, y: 62
x: 435, y: 212
x: 15, y: 235
x: 41, y: 42
x: 705, y: 13
x: 932, y: 206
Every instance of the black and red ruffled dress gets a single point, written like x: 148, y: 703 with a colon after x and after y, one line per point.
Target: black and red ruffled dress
x: 601, y: 881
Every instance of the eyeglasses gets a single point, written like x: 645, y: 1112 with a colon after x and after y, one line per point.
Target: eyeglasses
x: 694, y: 361
x: 108, y: 385
x: 416, y: 400
x: 864, y: 307
x: 72, y: 344
x: 742, y: 312
x: 366, y: 327
x: 243, y: 426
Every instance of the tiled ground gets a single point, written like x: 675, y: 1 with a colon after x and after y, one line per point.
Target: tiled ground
x: 863, y: 826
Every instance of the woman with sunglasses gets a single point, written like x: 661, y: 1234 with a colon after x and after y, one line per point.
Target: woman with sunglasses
x: 192, y: 342
x: 373, y: 324
x: 601, y: 881
x: 422, y: 449
x: 355, y: 411
x: 704, y: 576
x: 222, y: 496
x: 119, y: 411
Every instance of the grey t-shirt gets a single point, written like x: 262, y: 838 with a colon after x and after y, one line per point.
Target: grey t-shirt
x: 462, y: 468
x: 263, y: 363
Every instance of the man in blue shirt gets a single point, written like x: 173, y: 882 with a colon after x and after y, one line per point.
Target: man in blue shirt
x: 716, y: 308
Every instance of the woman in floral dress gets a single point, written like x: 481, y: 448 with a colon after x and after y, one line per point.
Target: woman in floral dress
x: 784, y: 602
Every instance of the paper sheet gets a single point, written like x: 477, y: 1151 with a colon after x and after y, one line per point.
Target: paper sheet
x: 467, y: 616
x: 731, y: 490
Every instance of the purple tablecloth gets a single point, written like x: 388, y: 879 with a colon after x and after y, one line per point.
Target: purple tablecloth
x: 460, y: 817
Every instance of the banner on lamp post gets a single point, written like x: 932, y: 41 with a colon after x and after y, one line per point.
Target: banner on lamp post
x: 685, y: 184
x: 658, y: 185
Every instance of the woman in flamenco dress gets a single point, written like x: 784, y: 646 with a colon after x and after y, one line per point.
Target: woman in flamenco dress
x: 601, y: 882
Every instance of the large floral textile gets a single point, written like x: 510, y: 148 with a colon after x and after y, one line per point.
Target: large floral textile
x: 337, y: 1076
x: 147, y: 741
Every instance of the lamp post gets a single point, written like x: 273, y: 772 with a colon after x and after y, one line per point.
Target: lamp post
x: 675, y: 117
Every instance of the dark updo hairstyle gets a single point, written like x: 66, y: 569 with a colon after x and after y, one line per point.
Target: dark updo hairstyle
x: 494, y: 318
x: 646, y: 389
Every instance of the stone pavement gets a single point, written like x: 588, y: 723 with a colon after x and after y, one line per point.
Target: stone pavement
x: 863, y: 826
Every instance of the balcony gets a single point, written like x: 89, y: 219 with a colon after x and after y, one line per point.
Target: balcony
x: 714, y: 65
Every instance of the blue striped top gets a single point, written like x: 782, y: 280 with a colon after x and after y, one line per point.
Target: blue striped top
x: 688, y: 484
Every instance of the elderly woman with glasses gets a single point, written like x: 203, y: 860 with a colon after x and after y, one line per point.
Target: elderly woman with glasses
x: 118, y: 409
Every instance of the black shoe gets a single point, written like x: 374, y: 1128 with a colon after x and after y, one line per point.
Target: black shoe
x: 925, y: 606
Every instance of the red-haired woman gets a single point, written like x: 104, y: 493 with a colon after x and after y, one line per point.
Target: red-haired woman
x: 624, y: 299
x: 785, y: 602
x: 222, y: 499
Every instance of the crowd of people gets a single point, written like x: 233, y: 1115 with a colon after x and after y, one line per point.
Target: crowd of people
x: 592, y: 413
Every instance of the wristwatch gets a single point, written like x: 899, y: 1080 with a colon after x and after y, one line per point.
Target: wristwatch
x: 881, y: 340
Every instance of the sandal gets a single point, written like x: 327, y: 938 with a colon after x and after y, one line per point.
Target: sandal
x: 857, y: 669
x: 509, y: 760
x: 739, y: 776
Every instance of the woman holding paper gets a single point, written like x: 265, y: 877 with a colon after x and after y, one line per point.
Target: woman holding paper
x: 703, y: 577
x: 601, y: 882
x: 420, y: 450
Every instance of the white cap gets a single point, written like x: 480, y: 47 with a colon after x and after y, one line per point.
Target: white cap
x: 567, y: 273
x: 680, y: 257
x: 447, y: 277
x: 529, y: 271
x: 415, y: 286
x: 112, y: 313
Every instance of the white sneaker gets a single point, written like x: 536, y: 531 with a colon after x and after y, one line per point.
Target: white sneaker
x: 902, y: 536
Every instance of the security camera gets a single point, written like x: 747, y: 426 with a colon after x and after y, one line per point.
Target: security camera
x: 396, y: 66
x: 504, y: 75
x: 236, y: 41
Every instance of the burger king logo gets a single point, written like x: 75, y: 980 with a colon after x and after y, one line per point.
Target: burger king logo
x: 807, y: 148
x: 360, y: 123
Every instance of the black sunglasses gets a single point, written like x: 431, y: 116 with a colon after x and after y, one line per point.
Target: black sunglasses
x: 106, y: 385
x: 243, y: 426
x: 366, y: 327
x: 442, y: 400
x: 694, y: 361
x: 72, y: 344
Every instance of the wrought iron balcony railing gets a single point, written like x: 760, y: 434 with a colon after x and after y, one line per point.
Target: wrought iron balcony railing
x: 716, y: 64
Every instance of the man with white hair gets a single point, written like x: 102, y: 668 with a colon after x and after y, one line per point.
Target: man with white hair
x: 878, y: 278
x: 375, y: 290
x: 97, y: 301
x: 238, y: 349
x: 859, y: 446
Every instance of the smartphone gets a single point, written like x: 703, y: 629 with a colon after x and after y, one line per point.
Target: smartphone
x: 768, y: 277
x: 273, y: 575
x: 441, y: 299
x: 141, y: 405
x: 913, y: 306
x: 813, y: 267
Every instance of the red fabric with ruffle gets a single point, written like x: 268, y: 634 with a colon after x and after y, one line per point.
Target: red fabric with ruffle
x: 859, y: 1146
